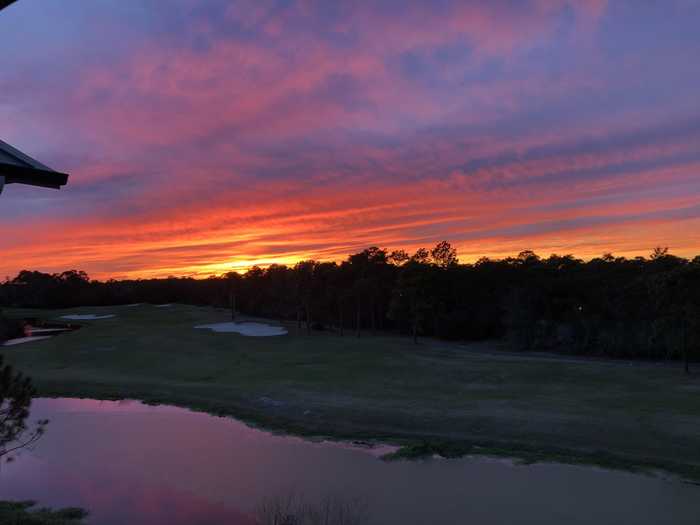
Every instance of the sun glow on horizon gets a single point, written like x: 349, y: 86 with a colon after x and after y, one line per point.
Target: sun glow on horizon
x: 286, y: 131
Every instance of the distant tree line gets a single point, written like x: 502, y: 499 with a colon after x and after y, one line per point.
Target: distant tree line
x: 645, y: 307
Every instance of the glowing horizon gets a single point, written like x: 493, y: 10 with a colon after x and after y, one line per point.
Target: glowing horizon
x: 209, y: 137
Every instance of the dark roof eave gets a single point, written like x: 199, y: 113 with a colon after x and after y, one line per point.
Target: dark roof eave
x: 32, y: 176
x: 6, y: 3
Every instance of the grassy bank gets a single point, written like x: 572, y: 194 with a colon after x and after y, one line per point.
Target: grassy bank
x: 25, y: 513
x: 432, y: 397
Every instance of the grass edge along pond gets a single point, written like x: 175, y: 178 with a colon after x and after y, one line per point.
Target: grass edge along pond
x: 26, y: 513
x: 432, y: 398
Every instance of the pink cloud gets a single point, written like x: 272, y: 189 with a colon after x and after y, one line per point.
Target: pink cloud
x: 496, y: 125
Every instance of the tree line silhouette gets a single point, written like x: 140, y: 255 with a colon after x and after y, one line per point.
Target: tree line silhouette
x: 643, y: 307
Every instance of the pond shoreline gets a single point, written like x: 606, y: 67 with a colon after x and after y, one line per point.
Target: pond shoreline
x: 410, y: 447
x: 97, y: 454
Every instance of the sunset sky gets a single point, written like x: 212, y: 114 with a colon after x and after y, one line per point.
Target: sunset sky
x: 204, y: 135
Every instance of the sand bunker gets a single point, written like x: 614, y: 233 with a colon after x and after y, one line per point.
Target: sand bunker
x: 20, y: 340
x: 33, y: 330
x: 132, y: 305
x: 86, y: 317
x: 250, y: 329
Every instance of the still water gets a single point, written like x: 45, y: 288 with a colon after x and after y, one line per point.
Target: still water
x: 128, y: 463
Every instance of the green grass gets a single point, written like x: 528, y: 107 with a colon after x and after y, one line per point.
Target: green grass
x: 23, y: 513
x: 432, y: 397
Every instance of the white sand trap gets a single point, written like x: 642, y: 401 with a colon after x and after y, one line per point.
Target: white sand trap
x: 86, y: 317
x: 20, y: 340
x: 250, y: 329
x: 132, y: 305
x: 163, y: 305
x: 33, y: 331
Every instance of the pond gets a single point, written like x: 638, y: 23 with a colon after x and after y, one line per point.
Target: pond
x: 134, y: 464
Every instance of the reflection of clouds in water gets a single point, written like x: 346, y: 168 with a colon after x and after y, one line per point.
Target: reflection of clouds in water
x: 51, y: 407
x: 137, y: 464
x: 109, y: 499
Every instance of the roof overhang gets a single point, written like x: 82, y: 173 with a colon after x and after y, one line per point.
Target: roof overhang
x: 5, y: 3
x: 17, y: 167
